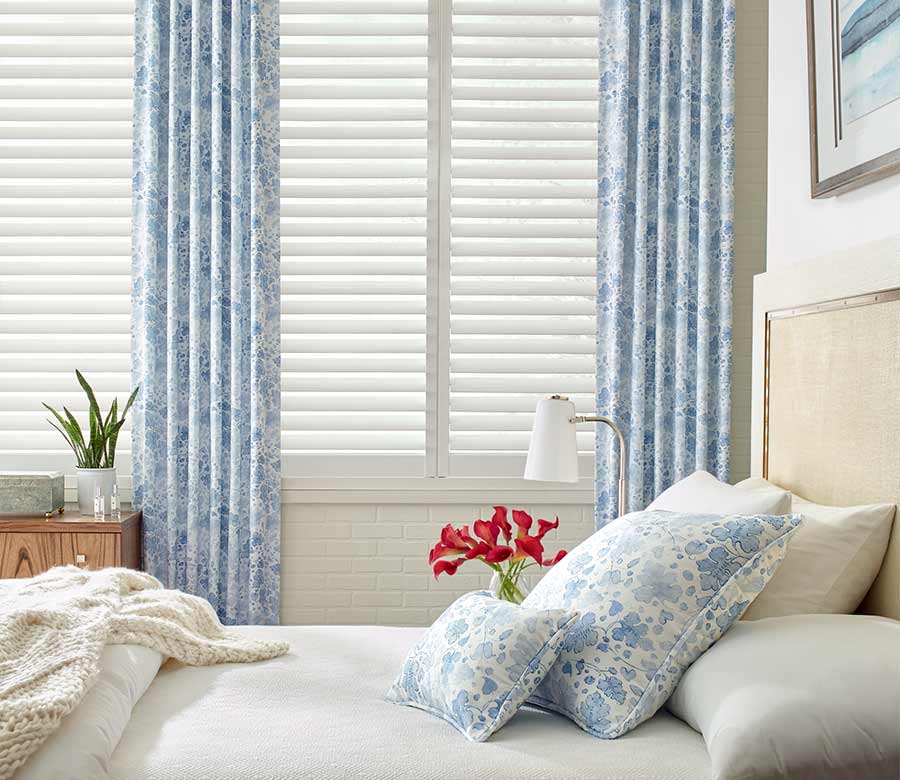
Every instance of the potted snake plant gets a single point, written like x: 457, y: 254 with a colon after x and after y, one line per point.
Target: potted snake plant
x: 95, y: 453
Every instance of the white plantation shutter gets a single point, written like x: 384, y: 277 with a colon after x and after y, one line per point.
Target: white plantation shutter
x: 523, y: 224
x: 436, y: 154
x: 65, y: 218
x: 354, y: 78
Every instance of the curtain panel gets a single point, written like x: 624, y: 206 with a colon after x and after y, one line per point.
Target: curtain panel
x: 665, y: 241
x: 206, y: 300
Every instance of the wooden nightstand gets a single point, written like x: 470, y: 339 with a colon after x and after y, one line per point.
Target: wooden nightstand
x: 30, y: 545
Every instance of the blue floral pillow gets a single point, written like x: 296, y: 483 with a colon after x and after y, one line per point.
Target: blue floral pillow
x: 654, y: 590
x: 480, y: 661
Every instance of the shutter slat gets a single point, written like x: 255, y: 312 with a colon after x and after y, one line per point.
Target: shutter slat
x: 345, y: 420
x: 65, y: 207
x: 47, y: 47
x: 505, y: 26
x: 349, y: 129
x: 368, y: 402
x: 354, y: 6
x: 350, y: 304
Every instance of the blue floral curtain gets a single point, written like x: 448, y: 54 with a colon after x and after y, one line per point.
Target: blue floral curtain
x: 665, y: 184
x: 205, y: 297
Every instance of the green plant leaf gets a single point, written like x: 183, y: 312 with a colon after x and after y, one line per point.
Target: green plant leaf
x: 113, y: 438
x: 111, y: 415
x: 130, y: 401
x: 56, y: 414
x: 98, y: 440
x: 68, y: 431
x: 68, y: 440
x: 82, y: 453
x: 108, y: 424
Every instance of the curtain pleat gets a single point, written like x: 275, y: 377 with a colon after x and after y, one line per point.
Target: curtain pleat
x: 665, y: 186
x: 206, y: 300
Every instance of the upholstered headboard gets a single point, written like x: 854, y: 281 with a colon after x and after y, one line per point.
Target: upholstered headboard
x: 826, y: 382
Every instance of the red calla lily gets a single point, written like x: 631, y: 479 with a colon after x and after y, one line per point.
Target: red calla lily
x: 482, y: 548
x: 529, y: 547
x: 502, y: 523
x: 440, y: 550
x: 447, y: 567
x: 546, y: 525
x: 456, y: 538
x: 457, y: 545
x: 523, y: 520
x: 499, y: 554
x: 556, y: 559
x: 487, y: 531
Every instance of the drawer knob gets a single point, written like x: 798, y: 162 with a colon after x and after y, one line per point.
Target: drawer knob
x: 79, y: 558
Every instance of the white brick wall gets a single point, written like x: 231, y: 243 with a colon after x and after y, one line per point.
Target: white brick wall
x: 365, y: 563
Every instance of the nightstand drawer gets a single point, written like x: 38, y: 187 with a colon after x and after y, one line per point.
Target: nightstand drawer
x: 27, y: 554
x: 91, y: 551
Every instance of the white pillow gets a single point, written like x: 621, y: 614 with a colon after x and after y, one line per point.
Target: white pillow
x: 84, y: 742
x: 702, y: 493
x: 804, y: 696
x: 831, y: 562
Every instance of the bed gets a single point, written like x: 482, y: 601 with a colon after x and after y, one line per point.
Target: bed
x: 821, y: 385
x: 320, y: 713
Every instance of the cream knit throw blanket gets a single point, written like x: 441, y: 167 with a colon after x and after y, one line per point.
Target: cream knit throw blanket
x: 53, y: 628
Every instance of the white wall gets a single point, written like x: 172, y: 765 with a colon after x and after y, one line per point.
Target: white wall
x: 799, y: 227
x: 367, y: 563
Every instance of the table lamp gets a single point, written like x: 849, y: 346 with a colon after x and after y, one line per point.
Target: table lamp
x: 553, y: 452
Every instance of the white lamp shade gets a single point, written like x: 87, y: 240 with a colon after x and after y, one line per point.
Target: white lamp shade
x: 553, y: 453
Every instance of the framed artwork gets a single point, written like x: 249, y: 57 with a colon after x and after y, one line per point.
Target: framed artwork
x: 854, y: 92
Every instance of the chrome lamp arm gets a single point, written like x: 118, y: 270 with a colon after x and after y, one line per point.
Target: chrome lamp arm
x: 623, y: 462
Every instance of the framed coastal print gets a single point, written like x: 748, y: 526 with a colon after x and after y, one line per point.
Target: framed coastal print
x: 854, y: 92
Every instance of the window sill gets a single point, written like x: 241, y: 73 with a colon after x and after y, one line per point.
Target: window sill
x: 432, y: 490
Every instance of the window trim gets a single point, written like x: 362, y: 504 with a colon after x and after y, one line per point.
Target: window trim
x: 437, y: 299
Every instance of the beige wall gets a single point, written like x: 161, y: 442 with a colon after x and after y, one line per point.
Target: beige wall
x: 749, y: 210
x: 799, y: 227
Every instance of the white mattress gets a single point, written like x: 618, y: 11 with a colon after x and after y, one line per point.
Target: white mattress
x: 319, y: 713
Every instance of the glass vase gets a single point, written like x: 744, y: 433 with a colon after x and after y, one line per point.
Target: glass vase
x: 516, y: 596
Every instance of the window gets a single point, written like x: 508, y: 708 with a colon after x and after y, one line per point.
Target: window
x: 438, y: 226
x: 65, y: 217
x: 450, y: 283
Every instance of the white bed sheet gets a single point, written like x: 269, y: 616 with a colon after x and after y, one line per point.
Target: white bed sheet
x: 319, y: 714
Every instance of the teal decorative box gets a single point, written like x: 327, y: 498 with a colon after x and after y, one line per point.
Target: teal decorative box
x: 31, y: 492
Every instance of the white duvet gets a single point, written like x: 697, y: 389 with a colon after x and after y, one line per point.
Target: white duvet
x: 319, y: 714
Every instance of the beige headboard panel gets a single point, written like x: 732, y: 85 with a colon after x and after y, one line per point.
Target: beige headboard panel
x: 827, y: 390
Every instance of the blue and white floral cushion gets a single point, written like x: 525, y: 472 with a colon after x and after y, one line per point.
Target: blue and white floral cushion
x: 654, y: 590
x: 480, y: 662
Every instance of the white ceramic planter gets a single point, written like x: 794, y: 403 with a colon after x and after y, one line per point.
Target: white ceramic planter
x: 88, y: 479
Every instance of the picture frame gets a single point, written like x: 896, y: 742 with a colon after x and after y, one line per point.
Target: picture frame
x: 854, y: 93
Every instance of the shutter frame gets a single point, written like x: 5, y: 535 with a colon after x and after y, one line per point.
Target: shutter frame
x: 354, y: 236
x: 524, y: 224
